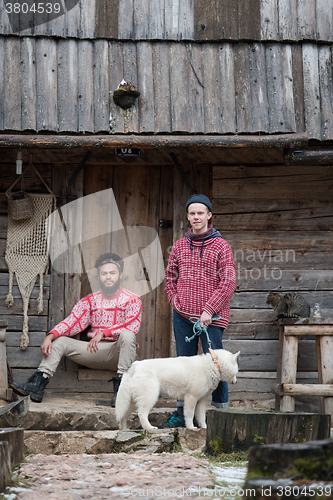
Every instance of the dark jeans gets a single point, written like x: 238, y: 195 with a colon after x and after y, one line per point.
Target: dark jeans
x: 182, y: 328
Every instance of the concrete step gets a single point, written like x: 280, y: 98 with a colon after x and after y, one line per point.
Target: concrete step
x: 95, y: 442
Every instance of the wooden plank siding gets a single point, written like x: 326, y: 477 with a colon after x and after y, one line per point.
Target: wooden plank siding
x: 279, y: 224
x: 192, y: 20
x: 210, y: 88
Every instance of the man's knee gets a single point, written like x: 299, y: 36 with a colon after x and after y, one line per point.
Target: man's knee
x: 126, y: 338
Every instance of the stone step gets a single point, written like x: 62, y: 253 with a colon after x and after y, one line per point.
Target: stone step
x: 61, y: 414
x: 95, y: 442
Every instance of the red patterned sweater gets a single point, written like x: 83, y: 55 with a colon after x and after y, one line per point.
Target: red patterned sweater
x: 112, y: 315
x: 197, y: 283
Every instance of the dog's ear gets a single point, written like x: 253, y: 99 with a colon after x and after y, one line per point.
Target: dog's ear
x: 236, y: 356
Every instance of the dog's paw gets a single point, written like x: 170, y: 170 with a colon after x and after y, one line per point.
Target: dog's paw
x: 151, y: 428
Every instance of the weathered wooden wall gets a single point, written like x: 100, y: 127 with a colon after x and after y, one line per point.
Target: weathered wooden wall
x: 196, y: 20
x: 278, y: 221
x: 57, y: 86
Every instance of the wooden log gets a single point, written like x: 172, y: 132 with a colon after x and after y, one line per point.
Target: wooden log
x: 14, y: 439
x: 5, y: 468
x: 151, y: 142
x: 293, y: 460
x: 314, y: 329
x: 305, y: 390
x: 229, y: 430
x: 309, y: 157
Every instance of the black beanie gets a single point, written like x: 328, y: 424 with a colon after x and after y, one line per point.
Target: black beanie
x: 199, y: 198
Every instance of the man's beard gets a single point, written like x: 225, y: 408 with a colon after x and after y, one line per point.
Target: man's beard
x: 110, y: 290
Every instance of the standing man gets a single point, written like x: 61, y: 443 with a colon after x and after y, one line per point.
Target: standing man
x: 114, y: 315
x: 200, y: 280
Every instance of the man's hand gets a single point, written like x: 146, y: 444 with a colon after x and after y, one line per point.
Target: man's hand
x: 46, y: 347
x: 93, y: 344
x: 205, y: 319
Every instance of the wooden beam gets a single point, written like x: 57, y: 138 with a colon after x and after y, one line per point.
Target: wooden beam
x: 320, y: 329
x: 325, y: 390
x: 153, y: 141
x: 309, y: 157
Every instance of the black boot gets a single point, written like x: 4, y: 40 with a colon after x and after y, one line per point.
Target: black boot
x: 116, y: 384
x: 35, y: 387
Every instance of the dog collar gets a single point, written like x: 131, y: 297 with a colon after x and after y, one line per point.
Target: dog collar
x: 214, y: 358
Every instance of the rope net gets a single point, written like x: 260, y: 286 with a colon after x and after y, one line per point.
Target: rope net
x: 27, y: 255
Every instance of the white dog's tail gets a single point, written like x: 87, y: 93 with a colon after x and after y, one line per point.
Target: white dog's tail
x: 124, y: 400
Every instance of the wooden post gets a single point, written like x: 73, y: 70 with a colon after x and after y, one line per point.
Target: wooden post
x: 326, y: 367
x: 279, y: 367
x: 5, y: 392
x: 289, y: 370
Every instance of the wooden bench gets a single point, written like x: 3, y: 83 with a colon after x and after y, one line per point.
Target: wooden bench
x: 287, y: 388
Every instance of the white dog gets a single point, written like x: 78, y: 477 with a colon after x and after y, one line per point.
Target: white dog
x: 190, y: 379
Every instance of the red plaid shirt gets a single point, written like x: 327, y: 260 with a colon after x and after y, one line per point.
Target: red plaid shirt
x: 195, y: 284
x: 111, y: 315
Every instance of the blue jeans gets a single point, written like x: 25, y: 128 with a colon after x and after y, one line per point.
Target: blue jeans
x: 182, y: 328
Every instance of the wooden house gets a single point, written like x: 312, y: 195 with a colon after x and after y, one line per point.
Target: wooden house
x: 236, y: 101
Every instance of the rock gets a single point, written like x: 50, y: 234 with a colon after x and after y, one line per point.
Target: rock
x: 192, y: 440
x: 72, y: 442
x: 76, y: 442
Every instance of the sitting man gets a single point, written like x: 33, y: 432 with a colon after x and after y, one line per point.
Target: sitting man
x: 114, y: 315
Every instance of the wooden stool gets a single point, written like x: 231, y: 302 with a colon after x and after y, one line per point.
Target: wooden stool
x: 287, y: 388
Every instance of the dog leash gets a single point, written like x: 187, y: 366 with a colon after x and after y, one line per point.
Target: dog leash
x: 197, y: 329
